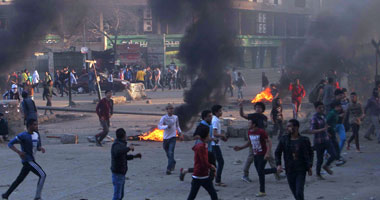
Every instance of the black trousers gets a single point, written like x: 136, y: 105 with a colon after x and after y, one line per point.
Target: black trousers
x: 206, y: 184
x: 229, y: 87
x: 211, y: 160
x: 296, y: 181
x: 219, y: 158
x: 335, y: 143
x: 355, y: 135
x: 320, y: 149
x: 260, y: 163
x: 30, y: 166
x: 278, y: 126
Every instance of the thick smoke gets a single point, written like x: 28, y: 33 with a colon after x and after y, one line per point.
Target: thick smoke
x: 28, y: 24
x: 334, y: 39
x: 206, y: 49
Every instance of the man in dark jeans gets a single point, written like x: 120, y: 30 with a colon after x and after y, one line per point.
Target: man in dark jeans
x: 322, y: 141
x: 202, y: 166
x: 261, y: 147
x: 332, y: 121
x: 3, y: 128
x: 262, y: 121
x: 119, y: 163
x: 170, y: 124
x: 298, y: 157
x: 28, y: 107
x: 217, y: 133
x: 104, y: 110
x: 206, y: 122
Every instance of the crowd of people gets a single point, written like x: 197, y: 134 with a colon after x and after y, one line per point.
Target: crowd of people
x: 335, y: 114
x: 153, y: 78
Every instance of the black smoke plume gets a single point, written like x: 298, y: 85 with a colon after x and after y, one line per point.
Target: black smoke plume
x: 28, y: 24
x: 206, y: 49
x: 335, y: 41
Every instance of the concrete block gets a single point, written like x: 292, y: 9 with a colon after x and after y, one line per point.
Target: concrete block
x: 135, y: 91
x: 69, y: 139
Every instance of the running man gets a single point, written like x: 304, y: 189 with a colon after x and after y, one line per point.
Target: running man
x: 261, y: 146
x: 262, y: 123
x: 298, y: 157
x: 104, y: 110
x: 356, y: 115
x: 170, y: 124
x: 322, y: 141
x: 298, y: 93
x: 217, y: 133
x: 30, y: 142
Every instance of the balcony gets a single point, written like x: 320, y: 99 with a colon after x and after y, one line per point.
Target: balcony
x: 269, y: 7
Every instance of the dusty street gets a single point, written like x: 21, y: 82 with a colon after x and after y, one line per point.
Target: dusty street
x: 82, y: 171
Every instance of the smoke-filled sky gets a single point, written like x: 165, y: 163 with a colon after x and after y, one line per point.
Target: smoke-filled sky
x: 29, y: 23
x: 333, y: 38
x: 31, y: 20
x: 206, y: 49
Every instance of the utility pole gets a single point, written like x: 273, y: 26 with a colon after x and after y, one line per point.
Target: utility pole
x: 71, y: 102
x: 92, y: 64
x: 377, y: 53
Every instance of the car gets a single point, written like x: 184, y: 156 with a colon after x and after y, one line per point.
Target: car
x: 82, y: 84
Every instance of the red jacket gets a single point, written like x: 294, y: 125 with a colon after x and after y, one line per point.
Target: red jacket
x: 201, y: 164
x: 297, y: 92
x: 105, y: 108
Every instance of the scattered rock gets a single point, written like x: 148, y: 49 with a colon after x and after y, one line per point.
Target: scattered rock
x: 69, y: 139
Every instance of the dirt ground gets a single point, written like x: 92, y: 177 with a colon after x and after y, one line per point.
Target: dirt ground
x: 82, y: 171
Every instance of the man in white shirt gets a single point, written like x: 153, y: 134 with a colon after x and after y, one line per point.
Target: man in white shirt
x: 217, y: 133
x: 170, y: 124
x: 36, y: 79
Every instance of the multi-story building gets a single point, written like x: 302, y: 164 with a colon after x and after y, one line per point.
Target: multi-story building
x: 269, y: 31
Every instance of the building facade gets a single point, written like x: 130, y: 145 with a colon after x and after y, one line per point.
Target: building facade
x: 269, y: 31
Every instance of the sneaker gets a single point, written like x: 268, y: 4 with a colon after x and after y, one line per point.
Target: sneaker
x: 181, y: 175
x: 320, y: 177
x: 277, y: 176
x: 4, y: 197
x: 220, y: 184
x: 368, y: 138
x: 261, y: 194
x: 340, y: 163
x: 97, y: 142
x: 168, y: 172
x: 328, y: 170
x: 246, y: 179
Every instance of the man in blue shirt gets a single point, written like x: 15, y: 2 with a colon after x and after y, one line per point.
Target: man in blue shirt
x: 30, y: 142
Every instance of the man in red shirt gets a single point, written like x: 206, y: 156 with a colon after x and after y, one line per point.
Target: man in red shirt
x: 261, y: 147
x: 104, y: 109
x: 202, y: 166
x: 298, y: 93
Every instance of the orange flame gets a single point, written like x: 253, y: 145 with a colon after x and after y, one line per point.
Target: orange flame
x: 265, y: 95
x: 154, y: 135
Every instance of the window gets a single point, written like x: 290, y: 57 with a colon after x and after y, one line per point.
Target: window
x: 300, y: 3
x: 276, y: 2
x: 261, y: 23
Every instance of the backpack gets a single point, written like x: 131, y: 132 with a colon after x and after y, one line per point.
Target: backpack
x: 240, y: 82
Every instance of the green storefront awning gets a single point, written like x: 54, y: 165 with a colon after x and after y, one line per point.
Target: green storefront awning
x: 173, y: 40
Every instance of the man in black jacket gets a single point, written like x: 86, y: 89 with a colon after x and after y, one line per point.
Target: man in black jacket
x: 298, y: 157
x: 119, y: 165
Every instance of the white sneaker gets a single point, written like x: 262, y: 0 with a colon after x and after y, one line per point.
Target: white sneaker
x: 246, y: 179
